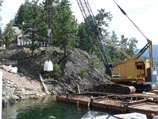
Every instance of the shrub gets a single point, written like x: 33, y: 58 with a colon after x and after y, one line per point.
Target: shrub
x: 84, y: 72
x: 57, y: 71
x: 94, y: 62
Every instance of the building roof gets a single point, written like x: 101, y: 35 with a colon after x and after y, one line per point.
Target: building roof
x: 17, y: 30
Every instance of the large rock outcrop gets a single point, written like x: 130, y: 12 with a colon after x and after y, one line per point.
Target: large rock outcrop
x: 26, y: 84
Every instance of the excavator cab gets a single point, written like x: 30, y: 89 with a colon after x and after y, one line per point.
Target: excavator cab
x: 131, y: 70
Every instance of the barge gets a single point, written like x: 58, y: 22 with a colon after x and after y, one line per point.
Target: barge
x: 140, y: 103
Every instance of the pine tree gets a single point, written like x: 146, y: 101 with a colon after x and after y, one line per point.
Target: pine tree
x: 65, y: 27
x: 8, y: 35
x: 31, y: 18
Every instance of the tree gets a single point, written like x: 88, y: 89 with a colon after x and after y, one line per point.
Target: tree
x: 111, y: 49
x: 22, y: 14
x: 1, y: 2
x: 1, y: 41
x: 50, y: 13
x: 34, y: 26
x: 0, y: 28
x: 88, y: 31
x: 65, y: 27
x: 102, y: 19
x: 8, y: 35
x: 132, y: 46
x: 1, y: 5
x: 85, y: 42
x: 128, y: 45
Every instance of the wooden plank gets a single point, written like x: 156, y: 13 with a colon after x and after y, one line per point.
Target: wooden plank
x: 44, y: 86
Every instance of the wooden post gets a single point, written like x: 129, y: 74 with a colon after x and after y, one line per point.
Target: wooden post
x: 77, y: 89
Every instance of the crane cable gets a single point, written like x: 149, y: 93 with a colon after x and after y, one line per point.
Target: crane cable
x: 131, y: 21
x: 148, y: 45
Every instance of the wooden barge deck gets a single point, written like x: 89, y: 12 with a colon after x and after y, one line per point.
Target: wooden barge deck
x: 141, y: 103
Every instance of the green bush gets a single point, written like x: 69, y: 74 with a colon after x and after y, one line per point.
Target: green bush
x: 94, y: 62
x: 57, y: 71
x: 84, y: 72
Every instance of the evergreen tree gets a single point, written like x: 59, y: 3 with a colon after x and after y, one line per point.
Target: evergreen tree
x: 8, y: 35
x: 88, y: 32
x: 22, y: 14
x: 1, y: 1
x: 128, y: 45
x: 33, y: 26
x: 85, y: 42
x: 103, y: 19
x: 1, y: 41
x: 132, y: 46
x: 50, y: 13
x: 0, y: 27
x: 111, y: 48
x: 65, y: 27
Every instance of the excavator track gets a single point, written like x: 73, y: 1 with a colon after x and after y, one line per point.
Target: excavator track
x: 115, y: 88
x: 142, y: 87
x: 123, y: 89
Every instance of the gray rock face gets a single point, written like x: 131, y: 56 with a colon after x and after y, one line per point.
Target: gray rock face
x: 17, y: 87
x: 72, y: 76
x: 75, y: 72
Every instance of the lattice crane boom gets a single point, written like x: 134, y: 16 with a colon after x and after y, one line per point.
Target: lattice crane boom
x: 97, y: 34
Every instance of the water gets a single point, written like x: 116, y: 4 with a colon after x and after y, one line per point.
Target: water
x: 42, y: 108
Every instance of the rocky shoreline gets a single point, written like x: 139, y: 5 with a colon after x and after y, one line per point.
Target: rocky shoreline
x: 26, y: 84
x: 16, y: 87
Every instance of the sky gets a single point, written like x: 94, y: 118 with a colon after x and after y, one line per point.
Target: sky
x: 142, y: 12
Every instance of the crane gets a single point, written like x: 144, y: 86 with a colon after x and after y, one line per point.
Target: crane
x: 130, y: 75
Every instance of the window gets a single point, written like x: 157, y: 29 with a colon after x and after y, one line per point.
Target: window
x: 140, y: 65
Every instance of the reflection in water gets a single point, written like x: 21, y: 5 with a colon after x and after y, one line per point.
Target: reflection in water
x: 43, y: 108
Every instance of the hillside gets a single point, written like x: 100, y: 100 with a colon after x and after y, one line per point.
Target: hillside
x: 75, y: 71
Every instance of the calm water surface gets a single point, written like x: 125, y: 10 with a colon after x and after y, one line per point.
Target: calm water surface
x: 42, y: 108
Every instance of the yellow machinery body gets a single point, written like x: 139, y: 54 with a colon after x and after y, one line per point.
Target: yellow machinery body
x: 131, y: 70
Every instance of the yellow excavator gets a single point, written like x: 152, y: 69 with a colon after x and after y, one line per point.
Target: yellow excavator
x: 129, y: 76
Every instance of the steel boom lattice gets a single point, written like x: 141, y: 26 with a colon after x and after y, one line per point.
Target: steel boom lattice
x: 97, y: 34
